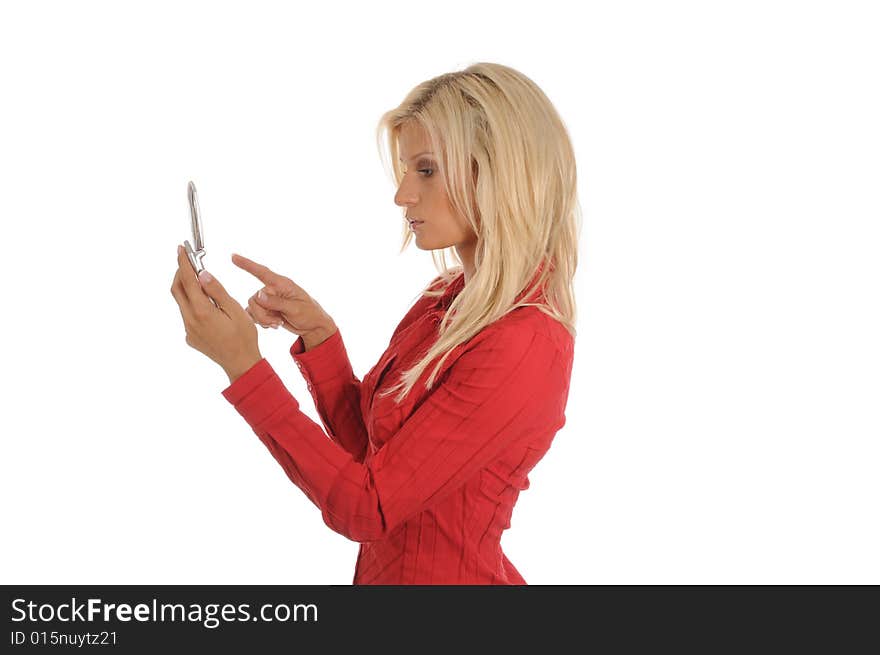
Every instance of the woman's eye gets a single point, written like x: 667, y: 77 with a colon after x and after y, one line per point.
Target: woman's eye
x: 429, y: 171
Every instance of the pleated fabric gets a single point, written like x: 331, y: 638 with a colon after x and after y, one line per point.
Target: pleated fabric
x: 426, y: 487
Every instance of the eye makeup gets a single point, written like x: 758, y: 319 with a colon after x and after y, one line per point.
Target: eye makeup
x: 426, y: 167
x: 422, y: 165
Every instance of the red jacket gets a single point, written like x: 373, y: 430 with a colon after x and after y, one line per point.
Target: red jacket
x: 426, y: 487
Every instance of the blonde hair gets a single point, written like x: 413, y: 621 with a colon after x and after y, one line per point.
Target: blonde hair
x: 509, y: 169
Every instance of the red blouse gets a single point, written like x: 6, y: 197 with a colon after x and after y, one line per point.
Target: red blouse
x: 426, y: 487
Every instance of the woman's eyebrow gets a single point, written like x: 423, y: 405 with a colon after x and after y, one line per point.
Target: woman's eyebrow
x: 419, y: 155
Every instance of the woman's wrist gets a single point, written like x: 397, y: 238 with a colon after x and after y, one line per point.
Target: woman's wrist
x: 236, y: 370
x: 317, y: 336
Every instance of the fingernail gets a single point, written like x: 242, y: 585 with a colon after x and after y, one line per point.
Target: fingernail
x: 205, y: 277
x: 261, y: 295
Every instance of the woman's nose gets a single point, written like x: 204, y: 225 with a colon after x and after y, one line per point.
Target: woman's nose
x: 405, y: 195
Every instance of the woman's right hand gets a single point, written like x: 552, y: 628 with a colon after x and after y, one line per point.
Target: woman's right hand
x: 285, y: 304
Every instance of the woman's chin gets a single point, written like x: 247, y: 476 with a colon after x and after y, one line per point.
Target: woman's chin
x: 424, y: 243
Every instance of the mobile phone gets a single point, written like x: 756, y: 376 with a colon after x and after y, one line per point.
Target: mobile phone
x: 195, y: 251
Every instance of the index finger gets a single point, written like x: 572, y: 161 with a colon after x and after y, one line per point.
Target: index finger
x: 259, y: 271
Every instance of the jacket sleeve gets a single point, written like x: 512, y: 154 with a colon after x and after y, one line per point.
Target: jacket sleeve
x: 335, y: 390
x: 509, y: 385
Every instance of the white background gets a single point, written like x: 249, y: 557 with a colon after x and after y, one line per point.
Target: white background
x: 723, y: 416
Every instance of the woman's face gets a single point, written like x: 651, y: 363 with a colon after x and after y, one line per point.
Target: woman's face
x: 423, y: 193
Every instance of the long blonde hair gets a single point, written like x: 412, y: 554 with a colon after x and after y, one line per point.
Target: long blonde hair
x: 509, y: 169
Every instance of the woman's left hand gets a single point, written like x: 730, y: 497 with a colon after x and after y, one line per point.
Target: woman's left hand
x: 225, y: 332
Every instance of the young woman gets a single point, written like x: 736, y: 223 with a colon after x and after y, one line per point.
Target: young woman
x: 429, y: 452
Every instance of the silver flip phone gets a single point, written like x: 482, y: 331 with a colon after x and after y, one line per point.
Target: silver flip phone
x: 196, y: 250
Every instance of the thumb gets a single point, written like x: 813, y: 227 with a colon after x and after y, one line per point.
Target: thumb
x: 270, y: 299
x: 212, y: 287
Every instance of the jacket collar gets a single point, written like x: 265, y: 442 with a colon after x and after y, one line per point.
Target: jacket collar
x: 457, y: 284
x: 451, y: 291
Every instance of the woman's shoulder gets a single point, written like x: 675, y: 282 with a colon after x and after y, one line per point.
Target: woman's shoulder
x: 520, y: 322
x: 528, y: 323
